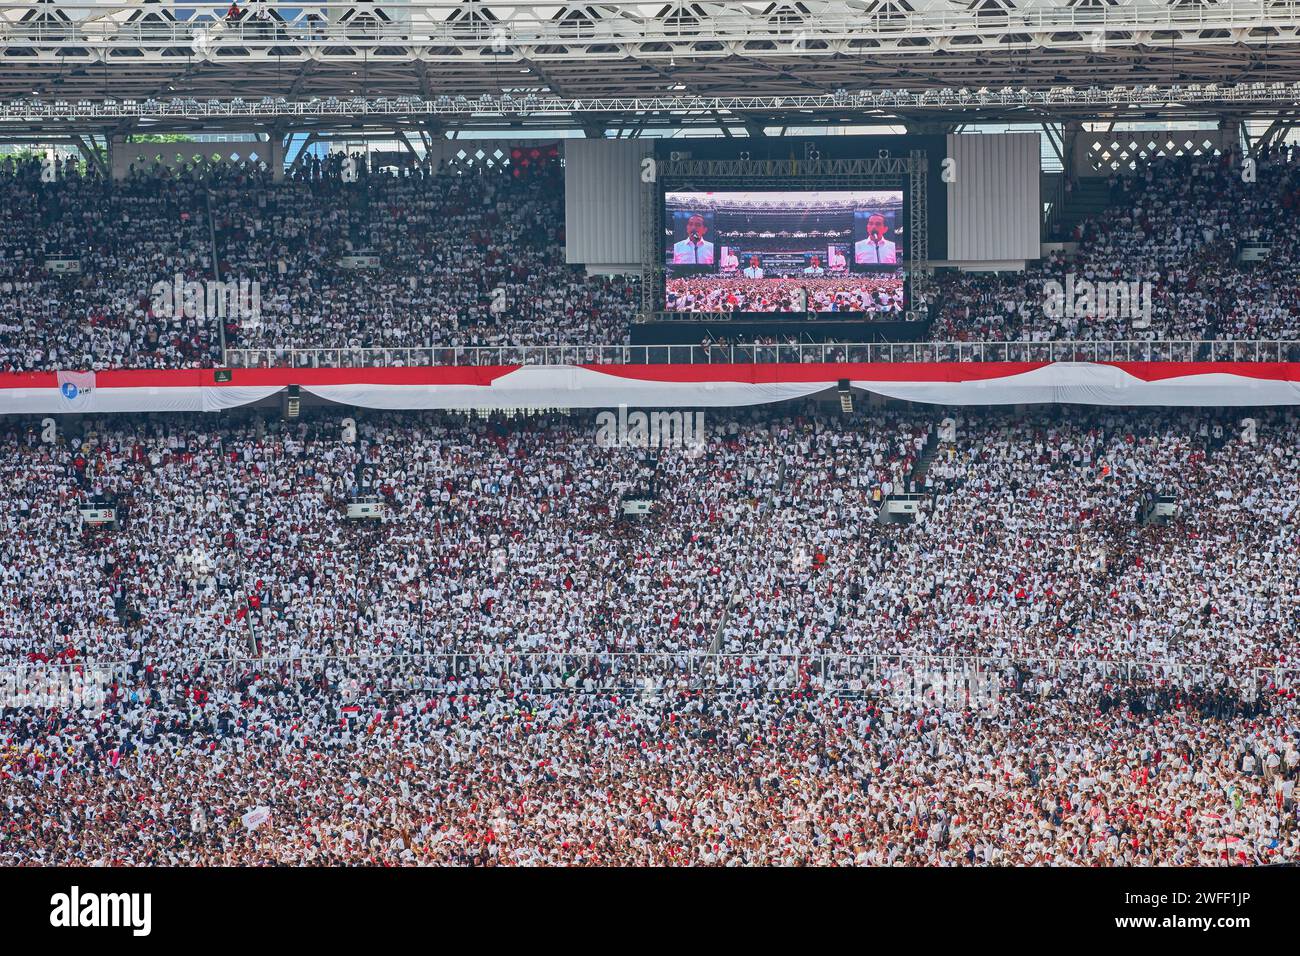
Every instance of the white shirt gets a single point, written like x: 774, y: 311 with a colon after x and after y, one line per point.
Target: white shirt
x: 693, y: 253
x: 867, y: 251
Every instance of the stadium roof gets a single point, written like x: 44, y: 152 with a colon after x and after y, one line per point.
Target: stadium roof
x: 459, y: 63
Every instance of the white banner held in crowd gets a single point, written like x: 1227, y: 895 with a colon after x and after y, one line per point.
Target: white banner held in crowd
x: 255, y: 818
x: 76, y: 387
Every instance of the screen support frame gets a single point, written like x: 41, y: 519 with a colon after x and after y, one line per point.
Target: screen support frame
x: 909, y: 173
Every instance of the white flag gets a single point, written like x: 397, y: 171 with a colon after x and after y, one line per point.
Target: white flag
x: 76, y: 387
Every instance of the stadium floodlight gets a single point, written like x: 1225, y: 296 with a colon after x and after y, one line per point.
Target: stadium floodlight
x: 943, y: 98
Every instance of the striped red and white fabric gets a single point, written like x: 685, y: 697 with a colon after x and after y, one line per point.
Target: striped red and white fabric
x: 1188, y: 384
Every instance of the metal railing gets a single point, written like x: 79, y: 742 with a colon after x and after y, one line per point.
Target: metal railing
x: 1136, y: 350
x: 842, y: 674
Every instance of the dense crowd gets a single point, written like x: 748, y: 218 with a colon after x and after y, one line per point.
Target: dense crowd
x: 125, y: 239
x: 473, y: 260
x: 881, y: 294
x: 502, y: 534
x: 440, y: 777
x: 421, y: 259
x: 459, y: 682
x: 354, y: 258
x: 507, y: 669
x: 1179, y: 226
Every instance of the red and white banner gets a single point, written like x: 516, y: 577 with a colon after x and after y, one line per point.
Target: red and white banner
x: 1188, y: 384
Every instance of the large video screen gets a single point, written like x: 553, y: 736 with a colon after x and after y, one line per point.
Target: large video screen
x: 784, y: 251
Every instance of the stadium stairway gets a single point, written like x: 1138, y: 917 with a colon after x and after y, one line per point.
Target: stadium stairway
x: 216, y: 265
x: 923, y: 461
x: 719, y: 633
x: 1087, y: 200
x: 716, y: 644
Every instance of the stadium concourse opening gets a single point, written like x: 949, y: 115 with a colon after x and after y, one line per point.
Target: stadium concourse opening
x: 861, y: 436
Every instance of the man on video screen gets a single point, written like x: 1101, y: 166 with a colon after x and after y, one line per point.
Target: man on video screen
x: 755, y: 268
x: 875, y: 248
x: 816, y: 268
x: 693, y: 250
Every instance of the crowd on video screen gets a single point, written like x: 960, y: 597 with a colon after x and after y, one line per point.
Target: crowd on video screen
x: 791, y: 251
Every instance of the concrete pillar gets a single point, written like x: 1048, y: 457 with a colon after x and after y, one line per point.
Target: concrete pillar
x: 117, y: 161
x: 278, y: 144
